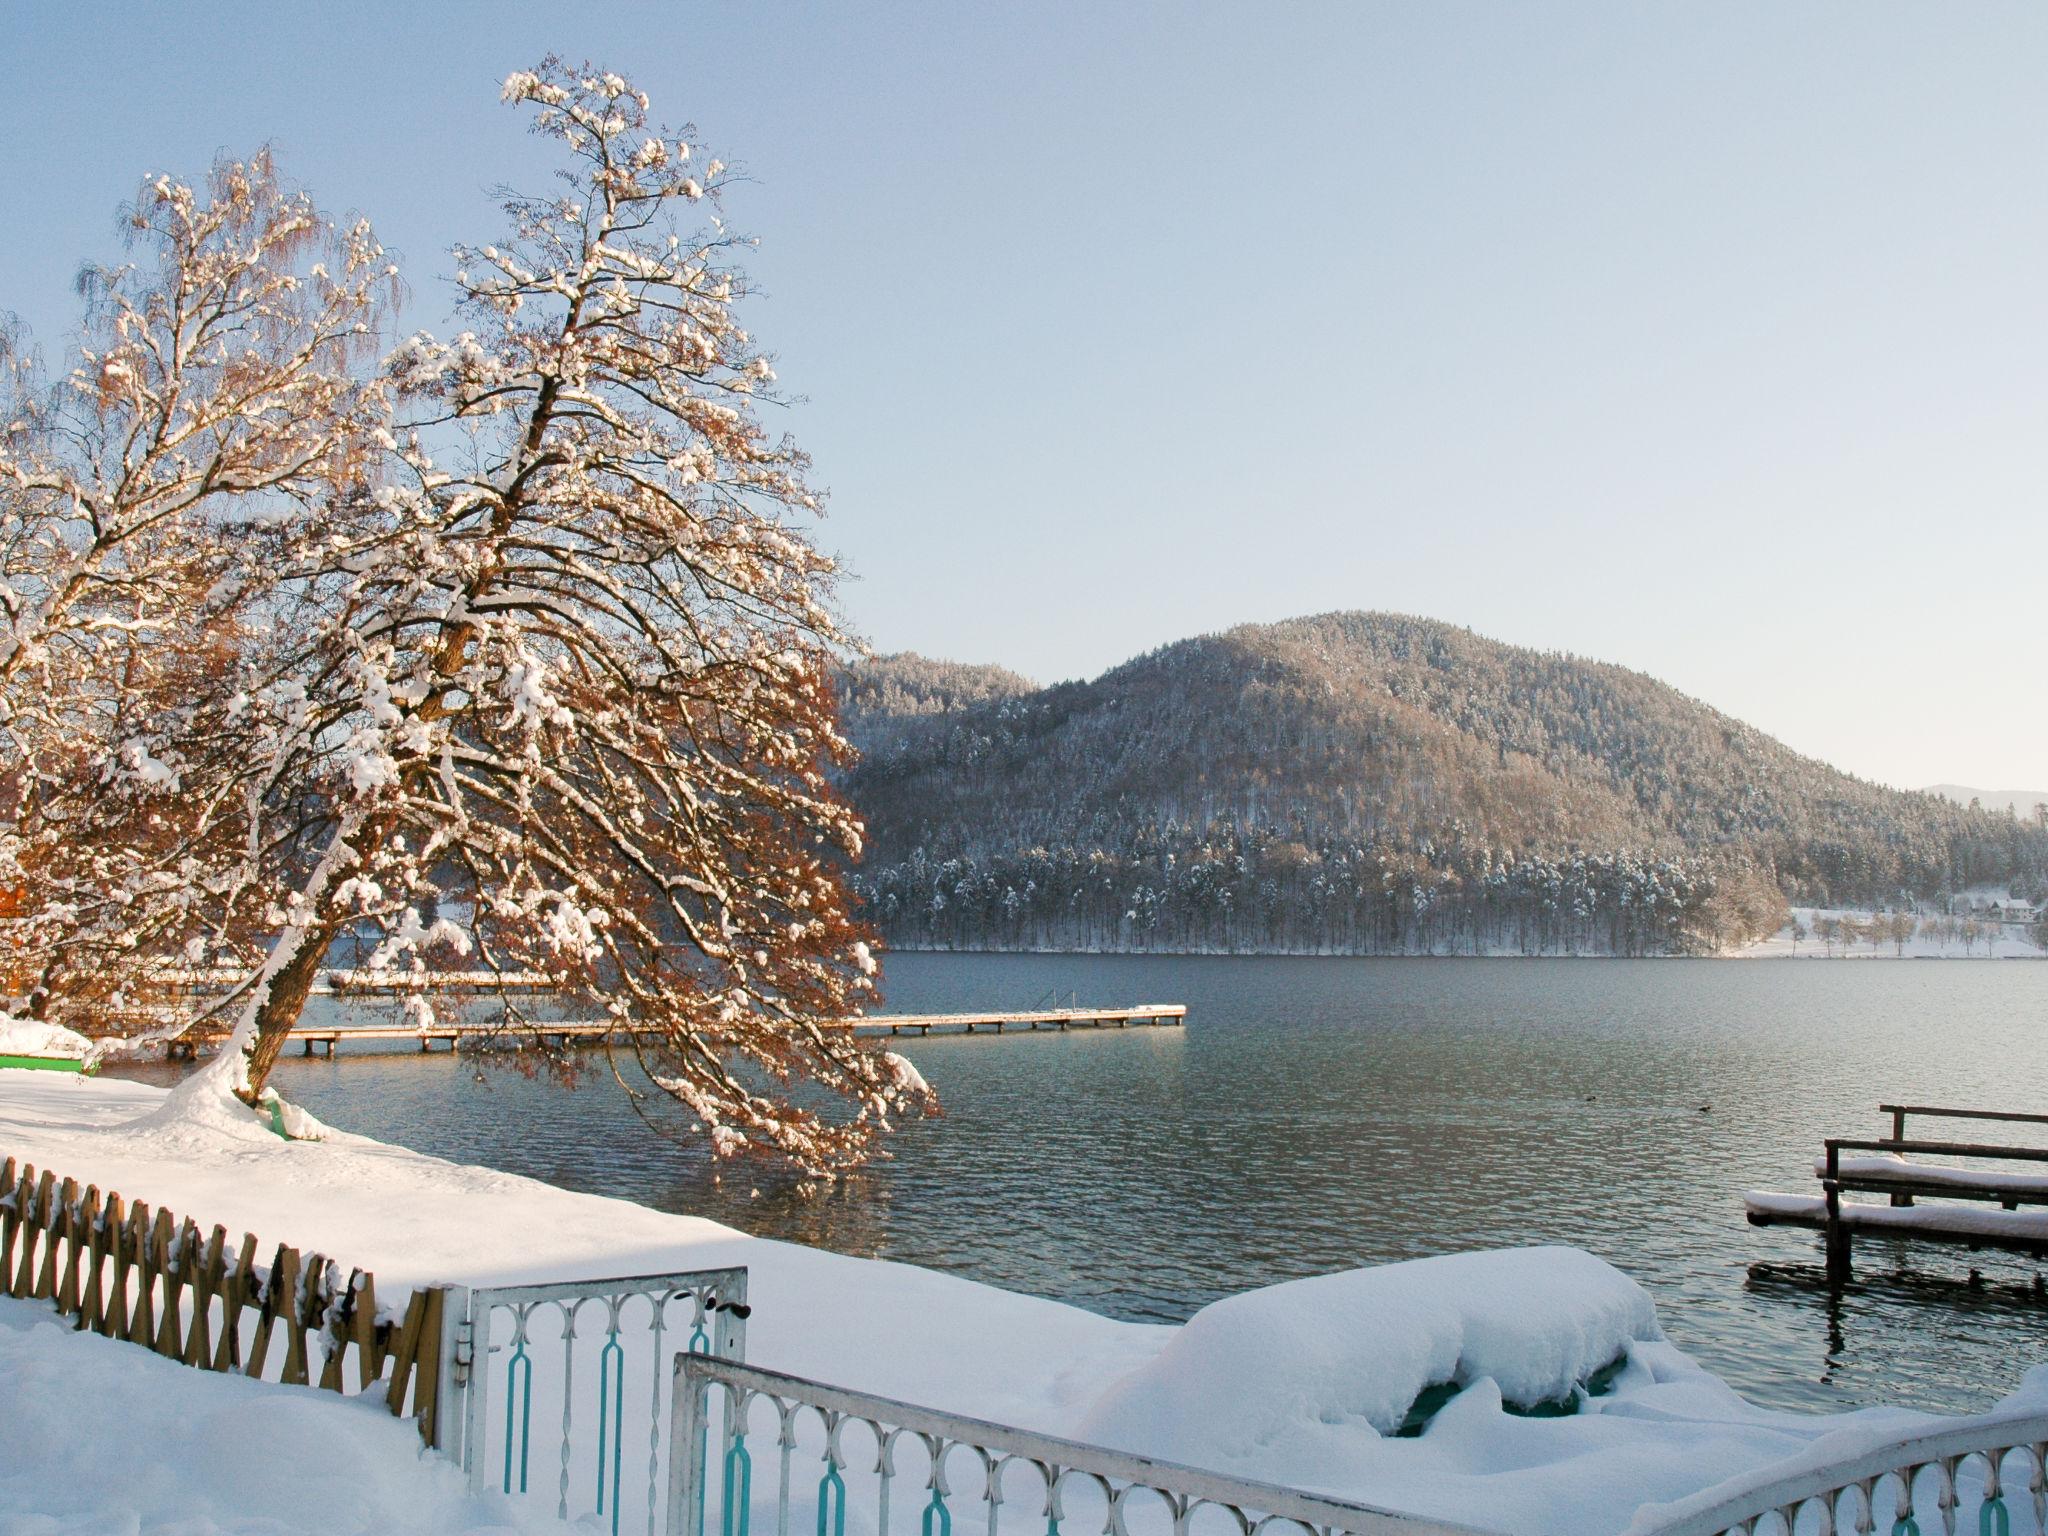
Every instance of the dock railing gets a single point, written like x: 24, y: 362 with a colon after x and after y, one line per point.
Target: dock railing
x: 1968, y: 1473
x: 839, y: 1456
x: 562, y: 1386
x: 1899, y: 1112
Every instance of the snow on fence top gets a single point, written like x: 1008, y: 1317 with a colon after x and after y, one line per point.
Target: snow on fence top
x: 149, y: 1278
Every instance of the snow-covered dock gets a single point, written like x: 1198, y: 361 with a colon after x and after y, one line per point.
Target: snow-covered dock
x: 2012, y: 1231
x: 318, y: 1039
x: 1880, y: 1167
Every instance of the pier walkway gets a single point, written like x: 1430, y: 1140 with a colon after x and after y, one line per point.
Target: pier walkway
x: 323, y: 1039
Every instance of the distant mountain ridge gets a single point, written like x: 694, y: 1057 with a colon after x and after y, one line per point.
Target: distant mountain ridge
x: 2020, y: 802
x: 1367, y: 782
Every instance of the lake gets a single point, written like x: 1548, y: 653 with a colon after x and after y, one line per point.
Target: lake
x: 1321, y: 1113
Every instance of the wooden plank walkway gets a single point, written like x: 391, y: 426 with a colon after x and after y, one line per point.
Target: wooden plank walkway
x: 322, y: 1039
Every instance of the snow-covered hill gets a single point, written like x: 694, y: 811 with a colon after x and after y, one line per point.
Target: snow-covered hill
x: 1368, y: 783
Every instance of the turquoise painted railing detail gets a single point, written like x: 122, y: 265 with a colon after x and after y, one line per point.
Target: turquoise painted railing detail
x: 1949, y: 1466
x: 737, y: 1496
x: 611, y: 1433
x: 832, y: 1497
x: 972, y: 1470
x: 519, y: 1393
x: 533, y: 1345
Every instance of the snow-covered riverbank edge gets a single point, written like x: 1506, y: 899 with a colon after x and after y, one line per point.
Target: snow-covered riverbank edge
x: 1285, y: 1384
x: 1845, y: 933
x: 2012, y: 944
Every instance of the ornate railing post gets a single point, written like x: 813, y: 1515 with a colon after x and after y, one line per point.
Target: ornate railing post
x: 457, y: 1362
x: 688, y: 1430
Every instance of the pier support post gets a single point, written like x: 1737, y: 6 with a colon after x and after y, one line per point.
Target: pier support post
x: 1836, y: 1239
x: 1899, y: 1134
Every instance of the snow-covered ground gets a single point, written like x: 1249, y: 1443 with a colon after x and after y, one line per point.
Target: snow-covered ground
x: 1932, y: 940
x: 1297, y: 1383
x: 25, y: 1037
x: 99, y: 1437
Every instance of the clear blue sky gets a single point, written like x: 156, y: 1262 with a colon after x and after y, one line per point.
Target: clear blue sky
x: 1710, y: 339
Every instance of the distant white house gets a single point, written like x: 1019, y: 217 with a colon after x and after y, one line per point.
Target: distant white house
x: 2003, y: 909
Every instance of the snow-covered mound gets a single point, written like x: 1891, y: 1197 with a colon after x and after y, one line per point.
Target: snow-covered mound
x: 1302, y: 1384
x: 26, y: 1037
x: 1356, y: 1349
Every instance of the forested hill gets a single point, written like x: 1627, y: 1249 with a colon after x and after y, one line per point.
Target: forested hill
x: 1364, y: 782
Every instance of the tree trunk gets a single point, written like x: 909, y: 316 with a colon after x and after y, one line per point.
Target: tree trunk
x: 282, y: 1005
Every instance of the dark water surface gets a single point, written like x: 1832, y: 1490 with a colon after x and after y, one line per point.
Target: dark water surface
x: 1323, y: 1113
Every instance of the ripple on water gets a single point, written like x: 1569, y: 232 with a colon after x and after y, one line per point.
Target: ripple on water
x: 1323, y: 1113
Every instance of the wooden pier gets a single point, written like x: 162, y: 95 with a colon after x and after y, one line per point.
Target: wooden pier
x: 1878, y: 1166
x: 346, y: 981
x: 1139, y: 1014
x: 322, y: 1039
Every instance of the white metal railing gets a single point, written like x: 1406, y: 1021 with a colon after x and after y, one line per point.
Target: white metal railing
x: 855, y: 1449
x: 1926, y: 1482
x: 512, y: 1357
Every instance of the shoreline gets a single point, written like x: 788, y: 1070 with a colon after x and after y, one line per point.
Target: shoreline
x: 1755, y: 951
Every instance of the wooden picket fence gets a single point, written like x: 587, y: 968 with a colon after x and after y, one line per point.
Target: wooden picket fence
x: 127, y: 1272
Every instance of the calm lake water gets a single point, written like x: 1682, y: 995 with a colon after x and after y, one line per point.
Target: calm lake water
x: 1320, y: 1113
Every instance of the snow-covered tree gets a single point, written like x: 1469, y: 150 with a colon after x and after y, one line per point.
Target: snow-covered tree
x: 218, y: 403
x: 577, y: 680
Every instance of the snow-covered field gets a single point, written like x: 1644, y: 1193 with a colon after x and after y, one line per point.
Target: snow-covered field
x: 1297, y: 1383
x: 1930, y: 941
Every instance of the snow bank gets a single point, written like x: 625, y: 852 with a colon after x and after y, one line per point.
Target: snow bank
x: 25, y: 1037
x: 1301, y: 1383
x: 1358, y: 1348
x: 1354, y: 1350
x: 104, y: 1437
x: 1863, y: 1435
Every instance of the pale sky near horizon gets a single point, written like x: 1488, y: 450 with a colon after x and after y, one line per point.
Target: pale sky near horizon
x: 1708, y: 339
